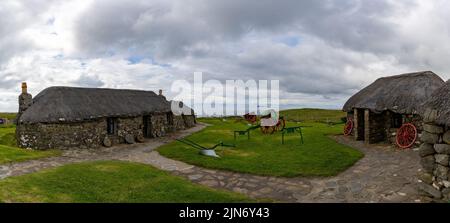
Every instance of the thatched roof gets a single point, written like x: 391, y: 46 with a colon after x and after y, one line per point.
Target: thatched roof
x: 72, y: 104
x: 440, y: 101
x: 403, y: 93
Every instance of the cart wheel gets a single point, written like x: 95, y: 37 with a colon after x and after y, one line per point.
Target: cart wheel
x: 406, y: 136
x: 280, y: 125
x: 348, y: 128
x: 267, y: 129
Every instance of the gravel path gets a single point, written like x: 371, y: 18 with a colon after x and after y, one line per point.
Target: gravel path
x: 385, y: 174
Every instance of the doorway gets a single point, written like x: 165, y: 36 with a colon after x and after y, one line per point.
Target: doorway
x: 147, y: 126
x: 360, y: 127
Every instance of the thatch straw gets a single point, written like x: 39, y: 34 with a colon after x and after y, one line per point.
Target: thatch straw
x: 440, y: 101
x: 402, y: 94
x: 71, y: 104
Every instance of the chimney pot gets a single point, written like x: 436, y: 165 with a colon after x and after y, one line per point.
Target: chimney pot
x: 24, y: 87
x: 160, y: 92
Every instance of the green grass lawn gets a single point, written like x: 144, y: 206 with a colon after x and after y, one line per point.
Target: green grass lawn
x: 108, y: 181
x: 9, y: 116
x: 264, y: 154
x: 314, y: 115
x: 10, y: 153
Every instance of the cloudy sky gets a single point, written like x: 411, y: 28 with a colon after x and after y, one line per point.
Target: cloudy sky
x: 321, y: 51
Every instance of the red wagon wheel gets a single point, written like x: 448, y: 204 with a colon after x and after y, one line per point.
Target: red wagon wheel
x: 281, y: 124
x: 267, y: 129
x: 406, y: 136
x: 348, y: 128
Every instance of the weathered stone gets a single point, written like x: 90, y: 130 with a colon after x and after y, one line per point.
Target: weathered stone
x: 433, y: 128
x: 426, y: 150
x: 446, y: 193
x: 140, y: 138
x: 437, y: 185
x: 430, y: 115
x: 446, y: 137
x: 426, y: 178
x: 129, y: 139
x: 429, y: 190
x: 428, y: 163
x: 441, y: 172
x: 107, y: 142
x: 442, y: 148
x: 446, y: 183
x: 429, y: 138
x: 90, y: 134
x: 441, y: 159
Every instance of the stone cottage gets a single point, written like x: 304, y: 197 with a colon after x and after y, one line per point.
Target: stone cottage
x: 72, y: 117
x: 435, y: 150
x: 380, y: 109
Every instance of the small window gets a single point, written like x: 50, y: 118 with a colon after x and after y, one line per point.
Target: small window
x: 111, y: 126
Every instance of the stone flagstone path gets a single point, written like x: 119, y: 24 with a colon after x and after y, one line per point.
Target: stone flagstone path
x: 385, y: 174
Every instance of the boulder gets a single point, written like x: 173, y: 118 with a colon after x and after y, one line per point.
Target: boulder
x: 426, y: 149
x: 442, y: 148
x: 446, y: 183
x: 427, y: 163
x: 441, y: 159
x: 429, y: 190
x: 129, y: 139
x: 446, y: 193
x: 430, y: 115
x: 430, y: 138
x: 441, y: 172
x: 140, y: 138
x: 426, y: 178
x: 107, y: 142
x: 446, y: 137
x: 433, y: 128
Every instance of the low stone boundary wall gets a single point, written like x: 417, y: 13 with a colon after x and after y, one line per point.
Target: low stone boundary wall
x: 435, y: 153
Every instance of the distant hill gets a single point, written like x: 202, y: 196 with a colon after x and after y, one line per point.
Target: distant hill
x: 9, y: 116
x: 314, y: 115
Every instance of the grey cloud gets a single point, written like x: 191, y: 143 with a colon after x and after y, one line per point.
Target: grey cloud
x: 15, y: 17
x: 86, y: 80
x: 170, y: 29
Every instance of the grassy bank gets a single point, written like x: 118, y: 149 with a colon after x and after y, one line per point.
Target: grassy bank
x: 10, y: 153
x: 108, y: 181
x: 314, y: 115
x: 264, y: 154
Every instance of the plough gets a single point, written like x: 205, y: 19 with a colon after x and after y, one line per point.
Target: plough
x: 206, y: 151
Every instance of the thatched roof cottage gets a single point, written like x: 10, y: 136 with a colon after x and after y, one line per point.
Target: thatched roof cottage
x: 378, y: 110
x: 435, y: 150
x: 67, y: 117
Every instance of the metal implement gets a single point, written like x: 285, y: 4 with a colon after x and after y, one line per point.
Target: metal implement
x: 245, y: 132
x: 206, y: 151
x: 288, y: 130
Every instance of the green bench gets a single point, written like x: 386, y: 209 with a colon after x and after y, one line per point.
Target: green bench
x: 245, y: 132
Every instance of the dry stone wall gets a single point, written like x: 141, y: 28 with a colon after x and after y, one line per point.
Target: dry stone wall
x: 93, y: 134
x: 61, y: 136
x: 159, y: 124
x: 189, y: 121
x: 435, y: 154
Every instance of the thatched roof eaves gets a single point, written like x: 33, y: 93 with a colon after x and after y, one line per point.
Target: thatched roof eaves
x: 73, y: 104
x: 404, y: 93
x: 440, y: 101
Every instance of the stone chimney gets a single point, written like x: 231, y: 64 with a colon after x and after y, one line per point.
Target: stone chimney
x: 161, y: 94
x: 25, y: 99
